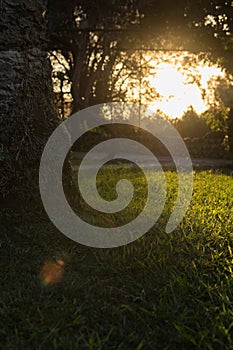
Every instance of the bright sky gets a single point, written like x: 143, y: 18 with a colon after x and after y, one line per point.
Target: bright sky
x: 176, y: 93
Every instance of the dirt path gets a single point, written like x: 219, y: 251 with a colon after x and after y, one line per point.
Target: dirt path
x: 167, y: 162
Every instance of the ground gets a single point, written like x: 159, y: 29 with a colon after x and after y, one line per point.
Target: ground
x: 164, y: 291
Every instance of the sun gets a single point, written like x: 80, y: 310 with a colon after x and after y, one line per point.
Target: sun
x: 176, y: 92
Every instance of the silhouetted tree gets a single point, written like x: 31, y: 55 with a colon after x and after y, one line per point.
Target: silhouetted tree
x: 191, y: 124
x: 88, y: 34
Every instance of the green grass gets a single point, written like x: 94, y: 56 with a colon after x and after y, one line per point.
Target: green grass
x: 164, y: 291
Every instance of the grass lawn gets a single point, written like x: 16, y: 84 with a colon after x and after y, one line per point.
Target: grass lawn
x: 164, y: 291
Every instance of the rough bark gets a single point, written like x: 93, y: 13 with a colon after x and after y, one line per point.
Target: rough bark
x: 28, y: 114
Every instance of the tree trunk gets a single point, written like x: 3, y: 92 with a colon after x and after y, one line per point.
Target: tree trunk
x: 28, y: 114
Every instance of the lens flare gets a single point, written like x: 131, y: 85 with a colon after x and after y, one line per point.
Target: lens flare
x: 51, y: 272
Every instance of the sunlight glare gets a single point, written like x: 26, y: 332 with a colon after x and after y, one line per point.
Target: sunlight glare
x: 176, y: 95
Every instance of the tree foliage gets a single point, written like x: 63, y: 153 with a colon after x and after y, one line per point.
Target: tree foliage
x: 87, y: 35
x: 191, y: 124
